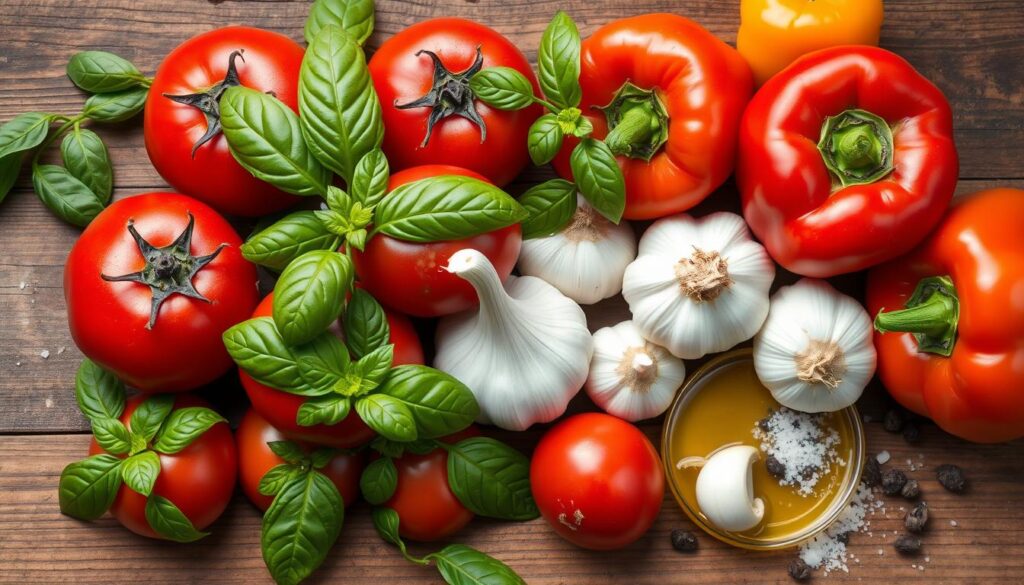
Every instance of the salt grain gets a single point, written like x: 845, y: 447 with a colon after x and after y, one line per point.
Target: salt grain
x: 882, y: 458
x: 827, y: 551
x: 61, y: 350
x: 44, y: 354
x: 49, y: 402
x: 953, y: 523
x: 21, y: 285
x: 801, y: 444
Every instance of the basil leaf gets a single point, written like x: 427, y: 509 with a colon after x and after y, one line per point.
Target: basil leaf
x: 169, y: 522
x: 98, y: 392
x: 340, y: 112
x: 388, y: 416
x: 276, y: 478
x: 463, y: 565
x: 558, y: 61
x: 545, y: 139
x: 111, y: 435
x: 301, y: 526
x: 573, y: 122
x: 140, y: 471
x: 447, y: 207
x: 103, y: 72
x: 365, y: 324
x: 288, y: 451
x: 491, y: 479
x: 67, y: 197
x: 439, y: 404
x: 599, y: 178
x: 265, y: 139
x: 23, y: 133
x: 321, y: 374
x: 310, y: 295
x: 10, y: 166
x: 86, y: 158
x: 354, y: 16
x: 184, y: 426
x: 88, y: 487
x: 379, y: 481
x: 551, y: 206
x: 374, y: 366
x: 148, y: 417
x: 323, y: 456
x: 503, y: 88
x: 117, y: 106
x: 287, y: 239
x: 389, y: 448
x: 370, y: 179
x: 327, y: 410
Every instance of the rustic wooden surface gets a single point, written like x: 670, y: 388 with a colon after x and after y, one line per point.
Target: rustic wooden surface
x: 971, y: 48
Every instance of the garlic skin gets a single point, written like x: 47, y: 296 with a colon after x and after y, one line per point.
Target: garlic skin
x: 586, y: 260
x: 699, y: 286
x: 631, y: 377
x: 525, y: 352
x: 815, y: 352
x: 725, y: 487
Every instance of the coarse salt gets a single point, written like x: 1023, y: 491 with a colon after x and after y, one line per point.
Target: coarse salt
x: 827, y: 551
x: 883, y: 457
x: 44, y: 354
x: 801, y: 444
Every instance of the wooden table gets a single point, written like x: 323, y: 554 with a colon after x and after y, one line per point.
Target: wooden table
x: 972, y: 49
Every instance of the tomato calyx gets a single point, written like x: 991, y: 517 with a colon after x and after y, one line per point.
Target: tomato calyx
x: 450, y: 95
x: 168, y: 270
x: 208, y: 102
x: 637, y: 122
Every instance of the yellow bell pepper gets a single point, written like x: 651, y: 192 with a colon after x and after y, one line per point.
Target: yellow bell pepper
x: 774, y: 33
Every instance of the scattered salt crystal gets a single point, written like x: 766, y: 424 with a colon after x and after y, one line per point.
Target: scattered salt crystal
x: 801, y: 444
x: 913, y: 566
x: 61, y: 350
x: 17, y: 364
x: 21, y: 285
x: 920, y: 567
x: 49, y: 403
x: 927, y: 559
x: 953, y: 523
x: 827, y: 551
x: 44, y: 354
x: 881, y: 552
x: 882, y: 458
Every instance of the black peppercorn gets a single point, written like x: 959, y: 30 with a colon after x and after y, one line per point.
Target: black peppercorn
x: 893, y: 421
x: 872, y: 474
x: 911, y: 433
x: 911, y: 490
x: 907, y: 544
x: 916, y: 518
x: 844, y: 537
x: 684, y: 541
x: 952, y: 478
x: 799, y: 570
x: 775, y: 467
x: 893, y: 482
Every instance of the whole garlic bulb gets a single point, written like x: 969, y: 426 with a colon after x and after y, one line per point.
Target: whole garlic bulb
x: 525, y: 352
x: 631, y: 377
x: 586, y: 260
x: 699, y: 286
x: 814, y: 352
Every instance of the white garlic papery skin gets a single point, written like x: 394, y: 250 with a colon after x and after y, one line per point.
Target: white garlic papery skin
x: 699, y: 286
x: 586, y: 260
x: 631, y: 377
x: 725, y: 487
x: 525, y: 352
x: 815, y: 352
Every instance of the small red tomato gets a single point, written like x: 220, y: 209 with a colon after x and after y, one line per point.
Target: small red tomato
x: 199, y: 479
x: 410, y: 277
x: 597, y: 481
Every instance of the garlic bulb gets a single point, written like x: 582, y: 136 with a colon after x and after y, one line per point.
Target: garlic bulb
x: 725, y: 487
x: 585, y: 261
x: 524, y: 353
x: 814, y: 352
x: 699, y: 286
x: 631, y: 377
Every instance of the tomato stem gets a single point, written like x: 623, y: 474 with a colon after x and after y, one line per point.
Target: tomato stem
x: 931, y: 314
x: 637, y: 122
x: 857, y: 147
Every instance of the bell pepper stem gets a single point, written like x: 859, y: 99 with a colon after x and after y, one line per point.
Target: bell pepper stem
x: 635, y: 128
x: 857, y: 147
x: 931, y: 314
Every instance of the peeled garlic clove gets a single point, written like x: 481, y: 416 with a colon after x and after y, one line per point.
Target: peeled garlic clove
x: 725, y: 489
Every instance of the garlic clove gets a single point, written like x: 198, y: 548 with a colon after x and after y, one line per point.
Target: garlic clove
x: 725, y: 489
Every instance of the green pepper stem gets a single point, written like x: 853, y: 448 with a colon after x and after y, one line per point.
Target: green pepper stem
x: 635, y: 128
x: 857, y: 147
x: 931, y: 314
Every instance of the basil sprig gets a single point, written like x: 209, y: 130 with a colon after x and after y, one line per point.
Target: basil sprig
x: 310, y: 294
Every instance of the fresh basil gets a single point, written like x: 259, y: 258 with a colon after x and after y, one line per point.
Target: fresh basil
x: 379, y: 481
x: 386, y: 521
x: 463, y: 565
x: 111, y: 435
x: 117, y: 106
x: 550, y: 205
x: 140, y: 471
x: 10, y: 166
x: 102, y: 72
x: 23, y: 133
x: 354, y: 16
x: 169, y: 522
x: 388, y: 416
x: 276, y: 478
x: 98, y: 392
x: 288, y: 451
x: 265, y: 139
x: 439, y: 404
x: 310, y: 294
x: 301, y: 526
x: 599, y: 178
x: 184, y: 426
x: 503, y: 88
x: 323, y: 456
x: 340, y: 112
x: 491, y: 479
x: 67, y: 197
x: 558, y: 61
x: 370, y: 179
x: 446, y: 207
x: 574, y: 123
x: 373, y: 367
x: 86, y: 158
x: 148, y: 417
x: 288, y: 238
x: 365, y: 324
x: 88, y: 487
x: 326, y: 410
x: 323, y: 375
x: 544, y: 139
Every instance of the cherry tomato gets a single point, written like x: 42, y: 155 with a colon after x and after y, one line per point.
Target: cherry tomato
x: 255, y: 459
x: 183, y: 107
x: 111, y: 313
x: 597, y: 481
x: 199, y: 479
x: 411, y: 277
x: 425, y: 60
x: 280, y: 408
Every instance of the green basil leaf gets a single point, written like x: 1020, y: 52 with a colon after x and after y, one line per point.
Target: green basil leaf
x: 323, y: 456
x: 117, y: 106
x: 551, y: 206
x: 184, y: 426
x: 10, y: 166
x: 287, y: 239
x: 85, y: 156
x: 103, y: 72
x: 388, y: 416
x: 98, y: 392
x: 385, y: 521
x: 340, y: 112
x: 327, y: 410
x: 140, y: 471
x: 503, y: 88
x: 446, y: 207
x: 365, y: 324
x: 88, y: 487
x: 354, y: 16
x: 389, y: 448
x: 169, y: 522
x: 111, y: 435
x: 491, y: 479
x: 321, y: 374
x: 463, y: 565
x: 558, y: 61
x: 301, y: 526
x: 287, y: 450
x: 439, y: 404
x: 148, y: 417
x: 275, y: 479
x: 67, y: 197
x: 356, y: 239
x: 379, y: 481
x: 370, y: 179
x: 572, y: 121
x: 599, y: 178
x: 23, y: 133
x: 545, y: 139
x: 372, y: 368
x: 310, y: 294
x: 265, y: 139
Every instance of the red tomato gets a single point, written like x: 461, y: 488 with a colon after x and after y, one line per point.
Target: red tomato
x: 403, y: 71
x: 280, y: 408
x: 597, y: 481
x: 199, y: 479
x: 110, y: 321
x: 255, y: 459
x: 269, y: 62
x: 411, y: 277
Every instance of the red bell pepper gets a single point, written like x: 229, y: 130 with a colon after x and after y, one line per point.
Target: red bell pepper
x: 959, y: 301
x: 846, y: 160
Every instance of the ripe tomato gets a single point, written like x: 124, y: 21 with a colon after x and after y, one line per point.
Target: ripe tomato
x: 195, y: 74
x: 199, y: 479
x: 427, y: 60
x: 280, y: 408
x: 178, y: 346
x: 597, y: 481
x: 255, y: 459
x: 411, y: 277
